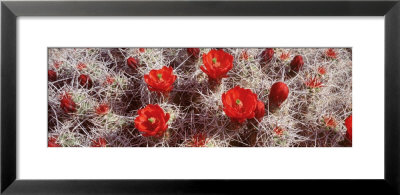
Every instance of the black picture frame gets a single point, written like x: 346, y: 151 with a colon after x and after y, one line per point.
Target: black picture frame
x: 11, y: 10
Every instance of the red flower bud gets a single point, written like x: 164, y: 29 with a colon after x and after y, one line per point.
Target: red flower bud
x: 160, y: 80
x: 313, y: 82
x: 260, y: 110
x: 330, y: 53
x: 194, y: 52
x: 244, y: 55
x: 101, y: 142
x: 152, y: 121
x: 52, y: 76
x: 142, y: 50
x: 217, y: 63
x: 279, y: 131
x: 330, y: 122
x: 102, y: 109
x: 81, y: 66
x: 52, y: 142
x: 67, y: 104
x: 110, y: 80
x: 278, y: 94
x: 321, y: 70
x: 284, y: 56
x: 267, y: 55
x: 239, y: 104
x: 85, y: 81
x: 198, y: 140
x: 132, y: 62
x: 297, y: 63
x: 348, y: 123
x: 57, y: 64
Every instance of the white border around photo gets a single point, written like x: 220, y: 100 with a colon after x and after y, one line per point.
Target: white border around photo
x: 365, y: 160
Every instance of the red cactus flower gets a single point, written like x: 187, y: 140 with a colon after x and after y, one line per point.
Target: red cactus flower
x: 160, y: 80
x: 239, y: 104
x: 260, y: 110
x: 194, y: 52
x: 321, y: 70
x: 67, y: 104
x: 330, y: 122
x: 348, y: 123
x: 217, y: 63
x: 284, y: 56
x: 152, y: 121
x: 313, y: 82
x: 132, y: 62
x: 267, y: 55
x: 198, y: 140
x: 244, y: 55
x: 330, y: 53
x: 52, y: 76
x: 278, y: 94
x: 81, y: 66
x: 52, y: 142
x: 279, y: 131
x: 101, y: 142
x: 297, y: 63
x: 110, y: 80
x: 102, y: 109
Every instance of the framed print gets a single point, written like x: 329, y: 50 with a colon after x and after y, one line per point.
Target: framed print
x: 172, y: 96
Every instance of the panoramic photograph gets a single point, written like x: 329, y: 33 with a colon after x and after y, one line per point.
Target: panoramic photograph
x: 199, y: 97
